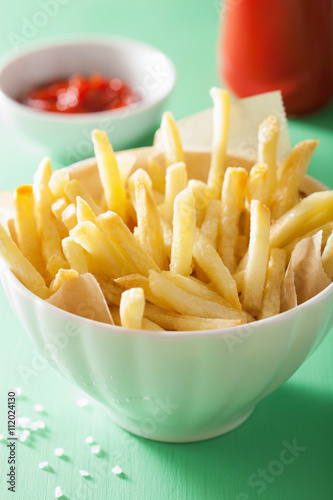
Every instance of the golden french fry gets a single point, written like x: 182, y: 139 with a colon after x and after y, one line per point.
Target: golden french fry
x: 221, y: 107
x: 167, y: 235
x: 58, y: 181
x: 74, y: 253
x: 126, y: 162
x: 184, y: 218
x: 170, y: 139
x: 200, y: 193
x: 257, y: 183
x: 271, y: 300
x: 58, y: 207
x: 74, y: 188
x: 46, y: 224
x: 25, y: 227
x: 151, y: 326
x: 84, y: 212
x: 211, y: 264
x: 210, y: 225
x: 327, y: 257
x: 21, y: 267
x: 69, y: 217
x: 137, y: 280
x: 111, y: 292
x: 327, y: 230
x: 61, y: 277
x: 174, y: 321
x: 311, y: 212
x: 239, y: 278
x: 150, y: 233
x: 117, y: 232
x: 256, y: 268
x: 139, y: 175
x: 132, y: 306
x: 12, y: 231
x: 107, y: 259
x: 242, y: 246
x: 267, y: 144
x: 156, y: 172
x: 114, y: 191
x: 175, y: 182
x: 187, y: 303
x: 232, y: 200
x: 286, y: 194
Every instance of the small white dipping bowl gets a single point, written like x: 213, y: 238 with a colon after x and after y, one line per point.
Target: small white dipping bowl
x: 173, y: 386
x: 65, y: 137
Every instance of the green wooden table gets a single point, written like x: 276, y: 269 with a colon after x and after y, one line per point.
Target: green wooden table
x: 245, y: 464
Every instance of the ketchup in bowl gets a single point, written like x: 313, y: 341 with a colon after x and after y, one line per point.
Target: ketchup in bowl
x: 79, y: 94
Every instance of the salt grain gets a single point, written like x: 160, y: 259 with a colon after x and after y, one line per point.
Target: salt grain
x: 26, y: 433
x: 84, y: 473
x: 82, y: 402
x: 58, y: 493
x: 95, y: 449
x: 43, y: 465
x: 23, y: 422
x: 117, y: 470
x: 34, y: 426
x: 22, y: 438
x: 59, y: 452
x: 89, y: 440
x: 41, y: 424
x: 38, y: 408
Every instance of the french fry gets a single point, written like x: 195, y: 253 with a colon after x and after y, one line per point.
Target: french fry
x: 257, y: 183
x: 126, y: 162
x: 271, y: 300
x: 170, y: 139
x: 184, y: 218
x: 167, y: 236
x: 151, y: 326
x: 12, y: 231
x: 58, y: 207
x: 221, y: 108
x: 148, y: 217
x: 132, y: 306
x: 46, y: 224
x: 211, y: 264
x: 61, y: 277
x: 175, y: 182
x: 267, y: 144
x: 157, y: 173
x: 184, y: 302
x: 256, y: 268
x: 286, y: 194
x: 74, y: 253
x: 137, y: 280
x: 210, y: 223
x: 21, y: 267
x: 83, y: 211
x: 114, y: 191
x: 117, y: 232
x: 200, y: 193
x: 239, y: 278
x: 74, y: 188
x: 106, y: 257
x: 232, y: 199
x: 139, y: 175
x: 174, y: 321
x: 25, y: 227
x: 327, y: 230
x: 111, y: 291
x: 311, y: 212
x: 327, y: 257
x: 69, y: 217
x: 58, y: 181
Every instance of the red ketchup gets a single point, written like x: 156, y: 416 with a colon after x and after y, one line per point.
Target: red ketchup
x: 279, y: 44
x: 79, y: 94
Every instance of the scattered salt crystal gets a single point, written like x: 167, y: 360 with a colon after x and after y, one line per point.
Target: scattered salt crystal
x: 18, y: 391
x: 34, y: 426
x: 84, y: 473
x: 24, y: 422
x: 117, y: 470
x: 22, y: 438
x: 59, y: 452
x: 95, y: 449
x: 82, y: 402
x: 89, y: 440
x: 58, y: 493
x: 26, y: 433
x: 41, y: 424
x: 38, y: 408
x: 43, y: 465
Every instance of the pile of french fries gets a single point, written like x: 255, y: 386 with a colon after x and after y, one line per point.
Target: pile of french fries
x: 171, y: 253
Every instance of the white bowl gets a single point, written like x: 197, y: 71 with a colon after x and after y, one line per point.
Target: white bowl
x: 174, y: 386
x: 67, y: 138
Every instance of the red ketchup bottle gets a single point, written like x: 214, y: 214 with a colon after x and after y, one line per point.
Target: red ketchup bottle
x: 268, y: 45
